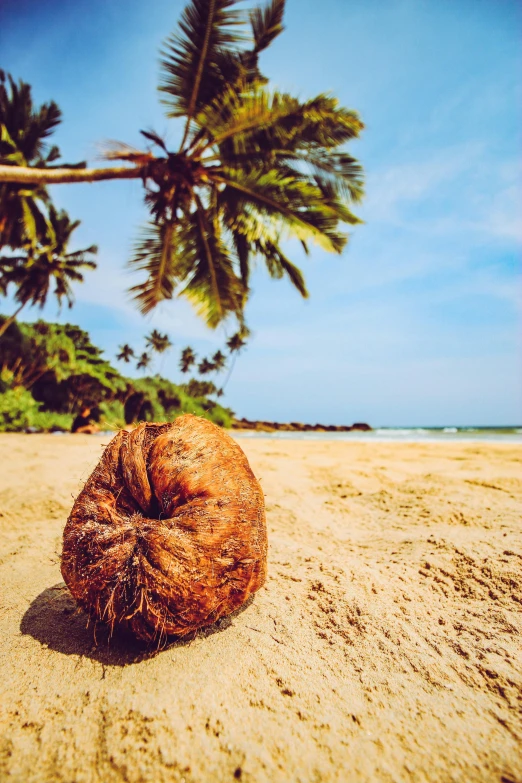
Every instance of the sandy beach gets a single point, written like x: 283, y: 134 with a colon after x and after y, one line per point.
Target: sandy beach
x: 385, y: 646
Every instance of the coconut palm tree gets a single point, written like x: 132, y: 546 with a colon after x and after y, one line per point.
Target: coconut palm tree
x: 143, y: 361
x: 187, y: 360
x: 24, y: 130
x: 158, y: 342
x: 219, y: 361
x: 254, y: 167
x: 33, y: 273
x: 126, y: 353
x: 205, y: 367
x: 236, y: 342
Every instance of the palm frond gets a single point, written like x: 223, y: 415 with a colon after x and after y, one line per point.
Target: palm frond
x: 267, y: 23
x: 212, y: 285
x: 294, y: 205
x: 80, y: 254
x: 79, y: 261
x: 242, y: 248
x: 235, y: 114
x: 188, y: 57
x: 339, y: 168
x: 154, y: 254
x: 118, y: 150
x: 152, y: 136
x: 278, y: 265
x: 284, y: 124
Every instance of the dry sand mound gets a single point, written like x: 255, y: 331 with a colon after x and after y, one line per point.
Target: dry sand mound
x: 384, y: 647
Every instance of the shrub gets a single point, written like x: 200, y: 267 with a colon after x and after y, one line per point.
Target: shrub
x: 18, y: 409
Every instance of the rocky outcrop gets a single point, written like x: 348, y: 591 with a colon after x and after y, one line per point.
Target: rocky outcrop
x: 296, y: 426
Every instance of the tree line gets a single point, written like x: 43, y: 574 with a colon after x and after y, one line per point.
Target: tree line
x: 48, y: 371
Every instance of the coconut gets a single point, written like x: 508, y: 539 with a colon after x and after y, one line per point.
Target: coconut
x: 168, y: 534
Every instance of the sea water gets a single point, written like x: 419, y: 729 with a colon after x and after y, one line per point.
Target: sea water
x: 403, y: 434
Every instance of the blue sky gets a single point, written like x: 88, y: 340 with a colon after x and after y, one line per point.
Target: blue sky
x: 419, y: 321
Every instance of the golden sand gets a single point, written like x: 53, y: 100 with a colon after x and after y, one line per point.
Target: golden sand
x: 385, y: 645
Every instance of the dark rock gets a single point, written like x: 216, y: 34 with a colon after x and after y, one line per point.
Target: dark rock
x: 296, y: 426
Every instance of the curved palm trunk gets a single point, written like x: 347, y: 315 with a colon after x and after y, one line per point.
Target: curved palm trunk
x: 25, y: 174
x: 8, y: 321
x: 232, y: 365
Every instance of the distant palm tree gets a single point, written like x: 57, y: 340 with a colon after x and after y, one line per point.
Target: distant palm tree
x: 187, y: 360
x: 33, y: 273
x: 126, y: 353
x: 205, y: 367
x: 219, y: 361
x: 158, y: 342
x: 236, y: 343
x: 254, y: 166
x: 143, y: 361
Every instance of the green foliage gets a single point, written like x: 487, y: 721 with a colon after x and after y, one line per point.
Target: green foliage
x: 166, y: 400
x: 49, y: 371
x: 50, y: 421
x: 195, y: 388
x: 20, y: 411
x: 112, y: 415
x: 17, y: 409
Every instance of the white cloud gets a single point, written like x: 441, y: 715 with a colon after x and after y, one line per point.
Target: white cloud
x: 390, y: 188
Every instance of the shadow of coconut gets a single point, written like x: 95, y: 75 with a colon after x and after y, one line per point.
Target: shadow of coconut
x: 54, y: 619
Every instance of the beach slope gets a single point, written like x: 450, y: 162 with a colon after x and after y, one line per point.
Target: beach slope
x: 385, y: 645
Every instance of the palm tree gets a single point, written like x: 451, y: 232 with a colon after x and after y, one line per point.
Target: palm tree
x: 236, y: 342
x: 205, y: 367
x: 143, y: 361
x: 254, y: 167
x: 219, y: 361
x: 158, y: 342
x: 187, y: 360
x: 24, y: 131
x: 126, y: 353
x: 33, y: 273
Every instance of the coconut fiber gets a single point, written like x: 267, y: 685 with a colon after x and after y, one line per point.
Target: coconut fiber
x: 168, y: 534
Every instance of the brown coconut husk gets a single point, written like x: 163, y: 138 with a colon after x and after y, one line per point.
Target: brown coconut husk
x: 168, y: 534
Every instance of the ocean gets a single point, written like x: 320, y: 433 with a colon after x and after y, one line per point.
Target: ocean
x: 402, y: 434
